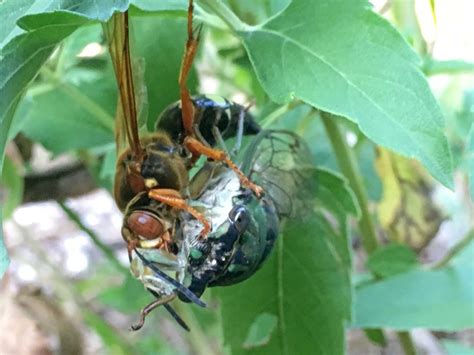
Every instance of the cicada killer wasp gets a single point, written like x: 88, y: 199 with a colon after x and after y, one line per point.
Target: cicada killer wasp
x: 152, y: 171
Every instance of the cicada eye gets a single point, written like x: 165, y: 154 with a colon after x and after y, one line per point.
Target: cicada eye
x: 240, y: 217
x: 145, y: 225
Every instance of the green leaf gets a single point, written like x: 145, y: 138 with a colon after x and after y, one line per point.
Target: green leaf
x: 254, y: 12
x: 21, y: 60
x: 162, y: 5
x: 261, y: 331
x: 93, y: 9
x: 305, y: 284
x: 12, y: 182
x: 160, y: 42
x: 335, y: 194
x: 435, y: 299
x: 376, y: 336
x: 455, y: 348
x: 77, y: 113
x: 391, y: 260
x: 11, y: 11
x: 343, y: 58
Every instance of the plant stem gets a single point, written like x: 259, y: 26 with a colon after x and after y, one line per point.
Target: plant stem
x: 351, y: 171
x: 407, y: 343
x: 225, y: 14
x: 275, y: 115
x: 458, y: 247
x: 436, y: 67
x: 109, y: 254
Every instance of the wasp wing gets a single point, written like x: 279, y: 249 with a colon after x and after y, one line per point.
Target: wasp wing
x: 117, y: 33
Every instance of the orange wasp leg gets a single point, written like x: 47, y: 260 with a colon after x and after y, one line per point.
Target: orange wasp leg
x: 173, y: 198
x: 187, y: 107
x: 198, y: 148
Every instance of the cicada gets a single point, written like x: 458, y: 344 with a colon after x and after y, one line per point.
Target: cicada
x: 244, y: 228
x: 152, y: 171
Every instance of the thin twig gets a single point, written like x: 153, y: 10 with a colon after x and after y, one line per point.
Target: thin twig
x: 455, y: 250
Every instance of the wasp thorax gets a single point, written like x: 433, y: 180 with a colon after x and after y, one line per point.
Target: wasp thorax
x: 145, y: 225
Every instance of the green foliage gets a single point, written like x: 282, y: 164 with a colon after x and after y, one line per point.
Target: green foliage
x: 295, y: 59
x: 307, y: 278
x: 439, y: 299
x: 158, y: 35
x: 455, y: 348
x: 363, y: 77
x: 391, y: 260
x: 13, y: 184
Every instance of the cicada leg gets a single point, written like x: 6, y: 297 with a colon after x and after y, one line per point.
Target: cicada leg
x: 192, y: 43
x: 173, y: 198
x: 198, y: 148
x: 240, y: 133
x: 150, y: 307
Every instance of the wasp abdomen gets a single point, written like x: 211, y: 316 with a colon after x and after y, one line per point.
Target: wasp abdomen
x: 210, y: 112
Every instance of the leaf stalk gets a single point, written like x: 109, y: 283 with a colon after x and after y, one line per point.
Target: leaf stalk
x: 350, y: 169
x: 225, y: 14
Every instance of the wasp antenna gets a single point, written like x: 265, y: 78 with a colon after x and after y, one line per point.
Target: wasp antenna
x: 179, y: 287
x: 176, y: 317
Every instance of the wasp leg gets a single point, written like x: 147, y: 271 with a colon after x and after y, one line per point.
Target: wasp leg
x: 196, y: 147
x: 150, y: 307
x: 187, y: 107
x: 173, y: 198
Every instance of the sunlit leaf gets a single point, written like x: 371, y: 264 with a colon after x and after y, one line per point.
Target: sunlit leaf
x: 343, y: 58
x: 420, y: 298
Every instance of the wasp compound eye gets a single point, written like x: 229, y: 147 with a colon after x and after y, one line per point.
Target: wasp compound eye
x: 145, y: 225
x: 240, y: 217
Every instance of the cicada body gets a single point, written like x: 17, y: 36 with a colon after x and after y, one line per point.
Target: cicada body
x: 245, y: 228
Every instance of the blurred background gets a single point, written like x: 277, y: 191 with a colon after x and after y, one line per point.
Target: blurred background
x: 68, y: 289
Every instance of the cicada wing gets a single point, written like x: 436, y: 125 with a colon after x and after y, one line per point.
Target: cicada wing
x: 117, y: 33
x: 280, y: 162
